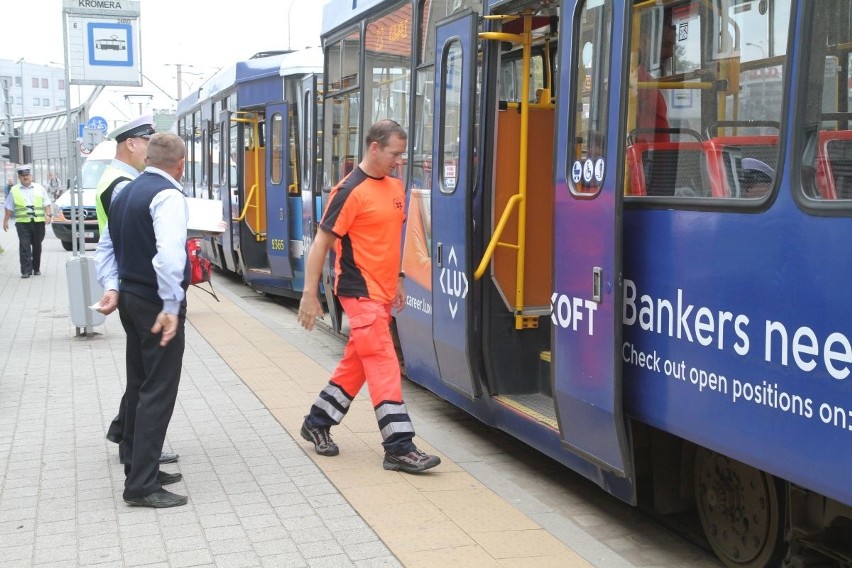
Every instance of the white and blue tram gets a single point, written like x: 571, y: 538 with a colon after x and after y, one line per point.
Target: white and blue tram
x: 251, y: 136
x: 626, y: 241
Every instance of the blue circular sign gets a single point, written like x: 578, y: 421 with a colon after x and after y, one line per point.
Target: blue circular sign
x: 97, y: 123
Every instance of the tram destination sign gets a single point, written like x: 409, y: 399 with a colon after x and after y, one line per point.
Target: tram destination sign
x: 102, y: 42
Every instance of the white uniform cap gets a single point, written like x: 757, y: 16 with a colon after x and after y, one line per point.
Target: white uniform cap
x: 24, y: 169
x: 142, y: 126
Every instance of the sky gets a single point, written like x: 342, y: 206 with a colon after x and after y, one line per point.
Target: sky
x: 200, y: 35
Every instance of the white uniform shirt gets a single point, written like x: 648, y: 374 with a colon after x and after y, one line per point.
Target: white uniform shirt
x: 169, y: 212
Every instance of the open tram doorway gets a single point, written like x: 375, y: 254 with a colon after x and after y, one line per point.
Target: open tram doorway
x: 247, y: 136
x: 514, y: 264
x: 550, y: 265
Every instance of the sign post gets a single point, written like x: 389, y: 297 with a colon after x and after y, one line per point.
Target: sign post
x: 102, y: 47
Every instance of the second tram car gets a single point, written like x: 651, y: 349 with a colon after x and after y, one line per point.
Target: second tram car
x: 626, y: 240
x: 251, y: 137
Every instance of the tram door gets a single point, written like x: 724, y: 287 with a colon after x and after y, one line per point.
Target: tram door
x: 310, y: 197
x: 586, y: 300
x: 277, y: 183
x: 452, y: 171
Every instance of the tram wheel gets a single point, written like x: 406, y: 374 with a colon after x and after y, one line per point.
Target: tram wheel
x: 742, y: 511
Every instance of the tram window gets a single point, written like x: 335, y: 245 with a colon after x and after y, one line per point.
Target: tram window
x: 214, y: 154
x: 342, y: 146
x: 342, y: 110
x: 705, y: 96
x: 827, y: 133
x: 450, y: 122
x: 387, y: 44
x: 590, y: 101
x: 307, y: 133
x: 343, y: 60
x: 511, y: 75
x: 233, y: 147
x: 293, y: 156
x: 276, y: 130
x: 432, y: 11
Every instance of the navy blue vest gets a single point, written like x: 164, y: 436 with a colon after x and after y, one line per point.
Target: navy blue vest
x: 131, y: 229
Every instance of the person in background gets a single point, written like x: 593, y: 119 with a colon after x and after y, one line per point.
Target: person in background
x: 363, y: 222
x: 143, y: 267
x: 9, y: 183
x: 130, y: 150
x: 652, y: 110
x: 757, y: 178
x: 53, y: 185
x: 30, y: 204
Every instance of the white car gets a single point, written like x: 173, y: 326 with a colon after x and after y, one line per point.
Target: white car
x: 93, y: 167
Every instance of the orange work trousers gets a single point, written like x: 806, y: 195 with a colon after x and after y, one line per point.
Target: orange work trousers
x: 369, y: 356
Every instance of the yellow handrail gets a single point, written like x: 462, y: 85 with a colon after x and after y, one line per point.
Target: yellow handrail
x: 498, y: 232
x: 251, y: 118
x: 249, y: 203
x: 520, y: 198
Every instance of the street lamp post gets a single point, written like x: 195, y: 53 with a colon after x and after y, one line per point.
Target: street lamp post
x: 23, y: 98
x: 289, y: 27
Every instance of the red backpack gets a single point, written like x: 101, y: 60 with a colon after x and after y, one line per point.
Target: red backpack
x: 200, y: 269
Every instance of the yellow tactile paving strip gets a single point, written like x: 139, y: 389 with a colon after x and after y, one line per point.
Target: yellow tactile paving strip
x: 443, y: 518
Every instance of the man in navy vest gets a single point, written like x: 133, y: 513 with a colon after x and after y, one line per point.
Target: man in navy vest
x: 142, y: 264
x: 131, y: 146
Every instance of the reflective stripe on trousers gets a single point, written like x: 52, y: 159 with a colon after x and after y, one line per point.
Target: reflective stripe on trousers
x: 369, y: 356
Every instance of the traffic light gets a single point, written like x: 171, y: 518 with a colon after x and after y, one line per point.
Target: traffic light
x: 12, y: 150
x: 26, y: 154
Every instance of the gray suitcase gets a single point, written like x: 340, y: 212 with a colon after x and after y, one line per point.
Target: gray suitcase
x: 83, y: 291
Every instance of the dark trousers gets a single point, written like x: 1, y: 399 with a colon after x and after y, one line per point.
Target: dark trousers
x: 116, y: 427
x: 30, y: 236
x: 153, y: 375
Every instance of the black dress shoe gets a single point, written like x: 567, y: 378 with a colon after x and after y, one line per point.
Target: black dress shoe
x: 25, y: 275
x: 167, y: 457
x: 37, y: 273
x: 166, y: 478
x: 158, y: 499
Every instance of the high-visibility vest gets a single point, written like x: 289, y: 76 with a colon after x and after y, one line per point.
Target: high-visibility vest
x: 25, y: 213
x: 111, y: 177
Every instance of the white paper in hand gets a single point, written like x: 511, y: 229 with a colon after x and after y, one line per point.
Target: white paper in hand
x: 205, y: 216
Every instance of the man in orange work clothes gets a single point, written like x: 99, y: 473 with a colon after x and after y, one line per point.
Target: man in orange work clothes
x: 363, y: 222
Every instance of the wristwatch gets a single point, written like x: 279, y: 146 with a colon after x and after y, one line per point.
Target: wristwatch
x: 402, y: 274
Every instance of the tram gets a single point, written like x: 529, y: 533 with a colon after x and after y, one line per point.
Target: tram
x: 252, y: 140
x: 627, y: 241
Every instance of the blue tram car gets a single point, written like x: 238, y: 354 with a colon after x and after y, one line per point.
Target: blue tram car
x: 626, y: 241
x: 251, y: 136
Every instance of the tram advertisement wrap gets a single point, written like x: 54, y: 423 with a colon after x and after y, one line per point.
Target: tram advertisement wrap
x: 778, y: 343
x: 682, y: 360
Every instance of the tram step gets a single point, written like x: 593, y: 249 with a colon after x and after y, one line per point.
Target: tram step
x: 544, y: 373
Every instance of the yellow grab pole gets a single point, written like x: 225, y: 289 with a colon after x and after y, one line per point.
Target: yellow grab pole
x: 522, y: 172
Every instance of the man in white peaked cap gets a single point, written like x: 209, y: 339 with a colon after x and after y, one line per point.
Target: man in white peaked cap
x: 131, y: 145
x: 130, y: 151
